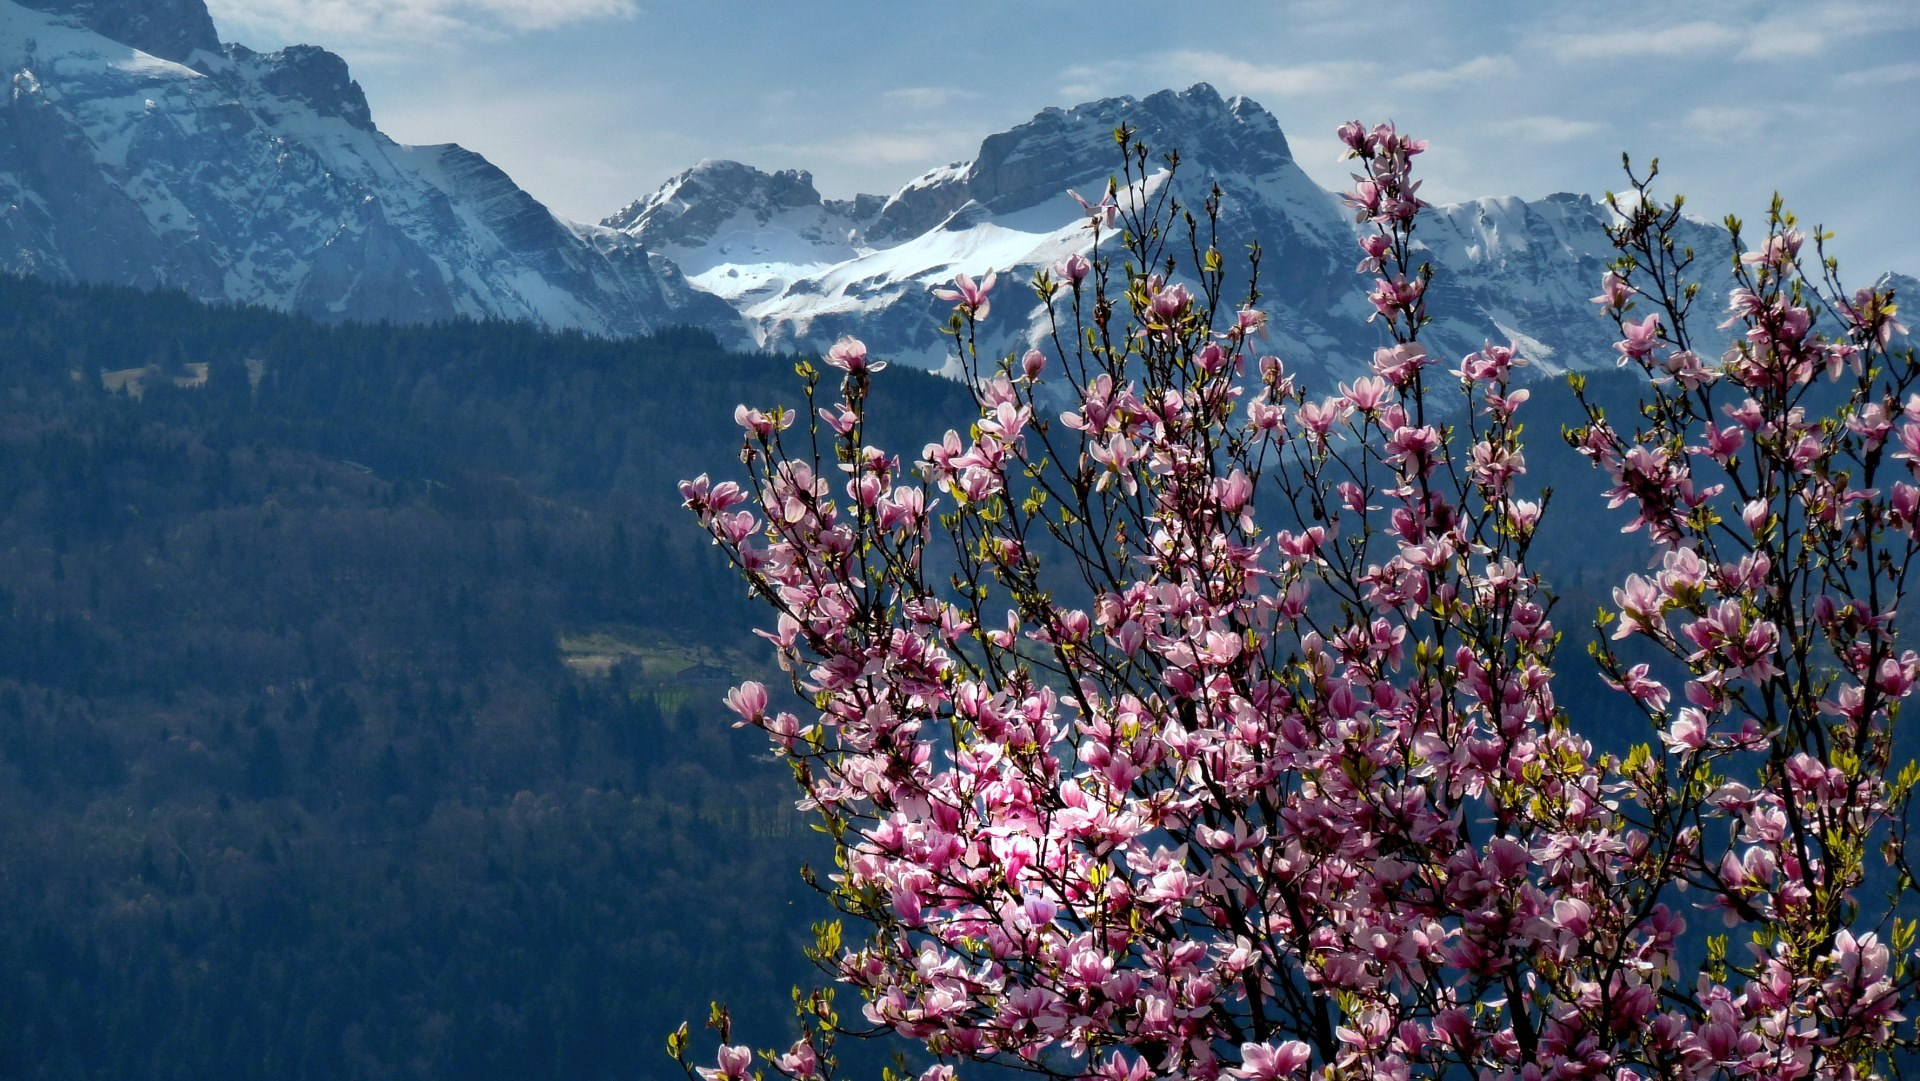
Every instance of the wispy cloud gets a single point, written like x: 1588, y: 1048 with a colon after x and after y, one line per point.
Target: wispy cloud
x: 1809, y: 31
x: 1723, y: 123
x: 1082, y: 82
x: 881, y: 148
x: 1477, y: 70
x: 1683, y: 39
x: 1880, y: 76
x: 1854, y: 18
x: 927, y: 97
x: 873, y: 148
x: 1545, y: 129
x: 1335, y: 78
x: 408, y: 21
x: 1777, y: 39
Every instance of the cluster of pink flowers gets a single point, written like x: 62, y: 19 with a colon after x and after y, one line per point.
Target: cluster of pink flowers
x: 1126, y: 783
x: 1386, y: 195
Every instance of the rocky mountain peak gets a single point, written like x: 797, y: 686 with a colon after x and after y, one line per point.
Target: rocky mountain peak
x: 691, y: 205
x: 315, y: 77
x: 1064, y: 148
x: 169, y: 29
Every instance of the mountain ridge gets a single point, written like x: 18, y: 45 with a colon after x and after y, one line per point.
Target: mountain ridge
x: 803, y: 272
x: 262, y: 178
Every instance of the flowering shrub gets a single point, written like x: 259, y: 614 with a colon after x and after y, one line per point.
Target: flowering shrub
x: 1176, y: 721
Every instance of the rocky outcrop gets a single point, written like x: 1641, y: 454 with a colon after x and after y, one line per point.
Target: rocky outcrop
x: 169, y: 29
x: 689, y: 209
x: 1065, y: 148
x: 313, y: 77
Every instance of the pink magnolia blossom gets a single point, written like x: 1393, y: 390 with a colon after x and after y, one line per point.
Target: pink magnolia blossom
x: 1103, y: 214
x: 1074, y: 268
x: 968, y: 297
x: 1779, y: 249
x: 1641, y: 340
x: 850, y: 355
x: 734, y: 1063
x: 1614, y: 292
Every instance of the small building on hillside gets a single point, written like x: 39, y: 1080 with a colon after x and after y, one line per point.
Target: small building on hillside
x: 705, y: 672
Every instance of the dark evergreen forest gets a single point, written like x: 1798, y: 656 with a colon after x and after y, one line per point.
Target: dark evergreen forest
x: 359, y: 698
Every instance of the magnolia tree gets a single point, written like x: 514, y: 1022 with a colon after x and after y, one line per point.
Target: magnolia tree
x: 1178, y: 720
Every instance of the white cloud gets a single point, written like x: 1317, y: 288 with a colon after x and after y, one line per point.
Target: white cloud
x: 1684, y: 39
x: 1880, y: 76
x: 1477, y: 70
x: 1748, y: 34
x: 871, y: 148
x: 1723, y: 123
x: 1339, y: 78
x: 1783, y: 38
x: 1545, y: 129
x: 1851, y: 19
x: 1085, y: 82
x: 883, y: 149
x: 545, y: 14
x: 393, y: 21
x: 927, y: 97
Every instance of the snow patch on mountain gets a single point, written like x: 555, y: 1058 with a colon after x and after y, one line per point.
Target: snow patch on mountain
x: 742, y: 234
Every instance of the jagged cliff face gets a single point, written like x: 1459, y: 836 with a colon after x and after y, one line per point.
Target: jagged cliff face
x: 169, y: 29
x: 1026, y: 167
x: 163, y: 159
x: 743, y: 234
x: 695, y: 209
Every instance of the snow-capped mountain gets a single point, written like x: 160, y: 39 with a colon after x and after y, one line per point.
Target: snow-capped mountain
x: 742, y: 234
x: 804, y: 270
x: 136, y: 149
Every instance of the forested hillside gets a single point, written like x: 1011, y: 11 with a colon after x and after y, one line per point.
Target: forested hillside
x: 359, y: 692
x: 359, y: 698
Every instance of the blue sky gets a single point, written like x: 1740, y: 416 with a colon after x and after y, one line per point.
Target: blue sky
x: 590, y: 104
